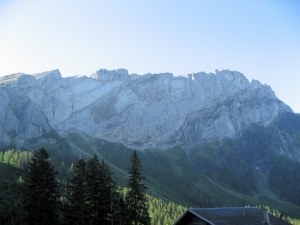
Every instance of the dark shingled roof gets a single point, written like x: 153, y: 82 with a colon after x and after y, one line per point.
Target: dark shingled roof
x: 228, y: 216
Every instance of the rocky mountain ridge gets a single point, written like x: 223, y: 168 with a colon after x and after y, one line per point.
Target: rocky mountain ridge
x: 139, y: 111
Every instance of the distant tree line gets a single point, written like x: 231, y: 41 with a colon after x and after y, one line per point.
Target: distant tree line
x: 16, y: 158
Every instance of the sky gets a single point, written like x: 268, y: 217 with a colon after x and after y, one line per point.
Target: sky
x: 259, y: 38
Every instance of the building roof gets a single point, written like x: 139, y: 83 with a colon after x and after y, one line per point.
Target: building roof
x: 227, y: 216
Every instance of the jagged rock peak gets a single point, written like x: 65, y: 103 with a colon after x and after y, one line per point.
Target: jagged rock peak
x: 9, y: 78
x: 44, y: 78
x: 226, y: 76
x: 53, y: 74
x: 110, y: 75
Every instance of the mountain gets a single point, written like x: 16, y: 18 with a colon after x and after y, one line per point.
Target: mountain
x: 149, y: 111
x: 217, y: 138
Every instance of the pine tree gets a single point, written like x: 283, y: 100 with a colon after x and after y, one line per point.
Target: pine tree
x: 77, y: 208
x: 93, y: 188
x: 102, y: 193
x: 108, y: 195
x: 41, y: 197
x: 120, y: 216
x: 136, y: 199
x: 92, y: 196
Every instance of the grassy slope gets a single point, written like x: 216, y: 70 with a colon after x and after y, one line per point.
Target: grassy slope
x: 171, y: 176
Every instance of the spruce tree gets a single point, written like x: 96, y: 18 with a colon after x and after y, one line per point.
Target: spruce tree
x: 92, y: 196
x: 101, y: 192
x: 93, y: 188
x: 108, y: 195
x: 41, y: 197
x: 136, y: 199
x: 76, y: 211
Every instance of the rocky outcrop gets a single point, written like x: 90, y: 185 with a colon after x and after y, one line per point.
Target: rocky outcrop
x: 152, y: 110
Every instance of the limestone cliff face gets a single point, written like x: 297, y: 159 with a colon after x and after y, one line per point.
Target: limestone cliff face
x: 152, y: 110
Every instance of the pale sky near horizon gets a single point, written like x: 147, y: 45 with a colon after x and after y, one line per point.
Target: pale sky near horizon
x: 259, y: 38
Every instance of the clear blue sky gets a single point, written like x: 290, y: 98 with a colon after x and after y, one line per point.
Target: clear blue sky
x: 260, y: 38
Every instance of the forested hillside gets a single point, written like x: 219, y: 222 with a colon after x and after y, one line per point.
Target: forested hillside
x: 172, y: 177
x: 13, y: 191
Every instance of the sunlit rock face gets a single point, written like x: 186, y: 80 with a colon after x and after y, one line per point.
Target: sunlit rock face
x: 140, y: 111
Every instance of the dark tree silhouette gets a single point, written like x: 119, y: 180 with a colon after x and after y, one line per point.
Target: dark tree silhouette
x: 136, y: 199
x: 41, y: 198
x: 76, y: 211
